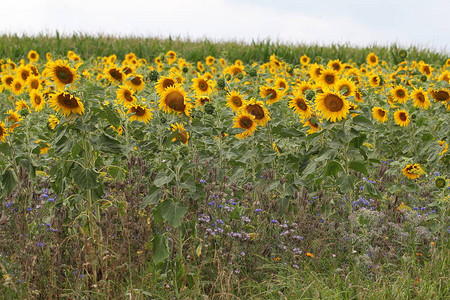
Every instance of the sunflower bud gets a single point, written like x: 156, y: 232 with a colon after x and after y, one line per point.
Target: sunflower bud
x: 253, y: 72
x: 228, y: 77
x: 185, y: 69
x: 220, y: 83
x: 423, y: 78
x: 397, y: 80
x: 318, y: 59
x: 209, y: 108
x: 240, y: 76
x: 310, y: 94
x: 440, y: 182
x: 153, y: 76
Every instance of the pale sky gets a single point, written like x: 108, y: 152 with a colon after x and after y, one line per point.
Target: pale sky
x: 357, y: 22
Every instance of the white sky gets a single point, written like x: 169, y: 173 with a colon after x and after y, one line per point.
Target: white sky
x: 358, y: 22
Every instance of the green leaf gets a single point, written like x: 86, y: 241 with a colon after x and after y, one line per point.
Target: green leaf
x: 9, y: 181
x: 85, y: 178
x: 372, y: 191
x: 172, y: 212
x: 163, y: 178
x: 160, y: 248
x: 363, y: 121
x: 358, y: 141
x: 358, y: 166
x: 237, y: 175
x: 107, y: 144
x: 346, y: 183
x: 152, y: 198
x: 332, y: 168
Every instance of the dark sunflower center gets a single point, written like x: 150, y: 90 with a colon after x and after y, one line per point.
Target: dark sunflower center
x: 34, y: 84
x: 182, y: 137
x: 403, y: 116
x: 64, y: 74
x: 116, y: 74
x: 381, y: 113
x: 400, y: 93
x: 304, y: 59
x: 127, y: 70
x: 175, y: 101
x: 127, y: 96
x: 25, y: 74
x: 256, y: 110
x: 373, y: 59
x: 67, y: 100
x: 282, y: 85
x: 167, y: 83
x: 136, y: 81
x: 345, y: 90
x: 336, y: 66
x: 441, y: 96
x: 18, y: 86
x: 202, y: 85
x: 245, y: 122
x: 138, y: 111
x: 318, y: 71
x: 420, y: 97
x: 301, y: 104
x: 272, y: 93
x: 236, y: 101
x: 2, y: 132
x: 204, y: 100
x: 33, y: 55
x: 329, y: 78
x: 427, y: 70
x: 37, y: 100
x: 9, y: 80
x: 334, y: 103
x: 236, y: 71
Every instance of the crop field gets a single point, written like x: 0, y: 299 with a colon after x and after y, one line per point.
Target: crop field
x: 170, y: 169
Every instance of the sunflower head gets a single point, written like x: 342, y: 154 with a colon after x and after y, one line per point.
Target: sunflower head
x: 136, y: 82
x: 174, y: 100
x: 114, y: 74
x: 33, y: 56
x: 400, y: 94
x: 304, y: 60
x: 247, y: 122
x: 202, y: 86
x: 61, y: 73
x: 420, y: 98
x: 271, y: 94
x: 380, y: 114
x: 3, y: 131
x: 333, y: 106
x: 372, y: 59
x: 67, y: 103
x: 139, y: 113
x: 165, y: 82
x: 180, y: 133
x: 328, y: 78
x: 300, y: 106
x: 401, y: 118
x: 37, y: 100
x: 413, y: 171
x: 235, y: 100
x: 258, y: 110
x: 125, y: 95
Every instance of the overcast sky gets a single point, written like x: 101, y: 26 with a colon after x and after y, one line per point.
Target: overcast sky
x: 358, y: 22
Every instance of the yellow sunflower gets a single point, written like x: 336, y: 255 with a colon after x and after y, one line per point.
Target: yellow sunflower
x: 336, y: 65
x: 247, y: 122
x: 67, y: 103
x: 346, y: 87
x: 136, y: 82
x: 271, y: 94
x: 258, y: 110
x: 420, y: 98
x: 180, y: 133
x: 372, y: 59
x: 202, y: 100
x: 413, y: 171
x: 313, y: 125
x: 23, y: 72
x: 139, y: 113
x: 333, y: 106
x: 202, y: 86
x: 300, y: 106
x: 3, y: 131
x: 163, y: 83
x: 7, y: 81
x: 375, y: 80
x: 44, y: 147
x: 281, y: 84
x: 303, y: 86
x: 234, y: 70
x: 53, y: 121
x: 61, y: 73
x: 380, y: 114
x: 235, y: 100
x: 328, y: 78
x: 171, y: 57
x: 114, y: 74
x: 210, y: 60
x: 125, y: 95
x: 174, y: 99
x: 22, y: 104
x: 33, y: 83
x: 444, y: 146
x: 33, y: 56
x: 399, y: 94
x: 14, y: 118
x: 304, y: 60
x: 17, y: 86
x: 37, y: 100
x: 401, y: 118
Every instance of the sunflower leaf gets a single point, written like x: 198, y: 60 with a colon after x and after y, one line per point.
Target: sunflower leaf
x: 358, y: 166
x: 332, y: 168
x: 172, y: 212
x: 363, y: 121
x: 163, y: 178
x: 160, y: 248
x: 9, y: 181
x: 85, y: 178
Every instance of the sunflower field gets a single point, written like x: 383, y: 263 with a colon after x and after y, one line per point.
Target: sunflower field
x: 264, y: 178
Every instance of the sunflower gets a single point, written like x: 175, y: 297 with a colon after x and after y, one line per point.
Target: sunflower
x: 401, y: 118
x: 125, y: 95
x: 67, y: 103
x: 33, y: 56
x: 44, y: 147
x: 33, y: 83
x: 202, y: 100
x: 372, y: 59
x: 346, y: 87
x: 163, y: 83
x: 271, y: 94
x: 313, y: 125
x: 333, y: 106
x: 445, y: 76
x: 328, y: 78
x: 304, y: 60
x: 444, y: 146
x: 7, y: 81
x: 200, y: 67
x: 171, y: 57
x: 375, y: 80
x: 37, y: 100
x: 425, y: 69
x: 22, y: 104
x: 114, y: 74
x: 202, y: 86
x: 247, y: 122
x: 281, y: 84
x: 139, y: 113
x: 380, y: 114
x: 420, y: 98
x: 336, y: 65
x: 180, y: 133
x: 3, y: 131
x: 17, y: 86
x: 303, y: 86
x: 53, y: 121
x: 61, y: 73
x: 136, y: 82
x: 258, y: 110
x: 413, y: 171
x: 300, y: 106
x: 174, y: 99
x: 399, y: 94
x: 23, y: 72
x: 235, y: 101
x: 14, y: 118
x: 441, y: 95
x: 234, y: 70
